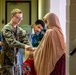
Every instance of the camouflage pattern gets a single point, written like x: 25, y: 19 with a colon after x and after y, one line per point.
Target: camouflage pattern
x: 12, y: 40
x: 7, y: 70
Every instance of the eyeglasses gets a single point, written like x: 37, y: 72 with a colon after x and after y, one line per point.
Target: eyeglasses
x: 19, y: 18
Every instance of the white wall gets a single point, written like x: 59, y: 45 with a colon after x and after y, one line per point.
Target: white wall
x: 59, y: 8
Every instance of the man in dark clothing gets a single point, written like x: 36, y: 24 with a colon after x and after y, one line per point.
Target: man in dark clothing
x: 36, y: 32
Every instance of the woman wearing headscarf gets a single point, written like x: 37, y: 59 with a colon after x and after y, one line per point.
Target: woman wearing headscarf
x: 49, y: 57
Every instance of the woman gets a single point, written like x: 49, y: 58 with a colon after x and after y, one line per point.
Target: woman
x: 49, y: 57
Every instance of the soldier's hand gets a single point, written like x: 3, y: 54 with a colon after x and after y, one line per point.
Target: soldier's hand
x: 28, y: 48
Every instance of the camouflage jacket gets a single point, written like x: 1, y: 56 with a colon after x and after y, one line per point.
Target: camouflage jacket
x: 12, y: 40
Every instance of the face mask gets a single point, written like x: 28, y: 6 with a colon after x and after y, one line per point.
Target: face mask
x: 37, y: 33
x: 46, y: 26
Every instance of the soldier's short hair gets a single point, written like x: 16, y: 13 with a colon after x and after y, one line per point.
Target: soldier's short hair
x: 15, y: 11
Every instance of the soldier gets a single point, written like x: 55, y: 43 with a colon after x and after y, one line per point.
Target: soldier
x: 13, y: 38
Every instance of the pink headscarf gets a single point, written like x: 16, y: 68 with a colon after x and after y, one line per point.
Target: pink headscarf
x: 51, y: 48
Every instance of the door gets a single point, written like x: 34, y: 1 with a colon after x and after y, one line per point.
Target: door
x: 25, y: 6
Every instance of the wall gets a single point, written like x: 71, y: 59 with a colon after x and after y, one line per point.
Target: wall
x: 43, y: 8
x: 67, y: 35
x: 59, y: 8
x: 72, y: 36
x: 34, y: 11
x: 2, y: 13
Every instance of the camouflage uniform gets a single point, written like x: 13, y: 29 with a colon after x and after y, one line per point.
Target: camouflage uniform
x: 12, y: 40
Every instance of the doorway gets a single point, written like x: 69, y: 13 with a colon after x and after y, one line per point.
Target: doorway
x: 25, y: 6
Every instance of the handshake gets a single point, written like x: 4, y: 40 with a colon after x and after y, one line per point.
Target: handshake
x: 29, y: 52
x: 29, y: 48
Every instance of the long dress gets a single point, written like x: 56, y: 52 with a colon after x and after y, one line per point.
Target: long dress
x: 59, y: 67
